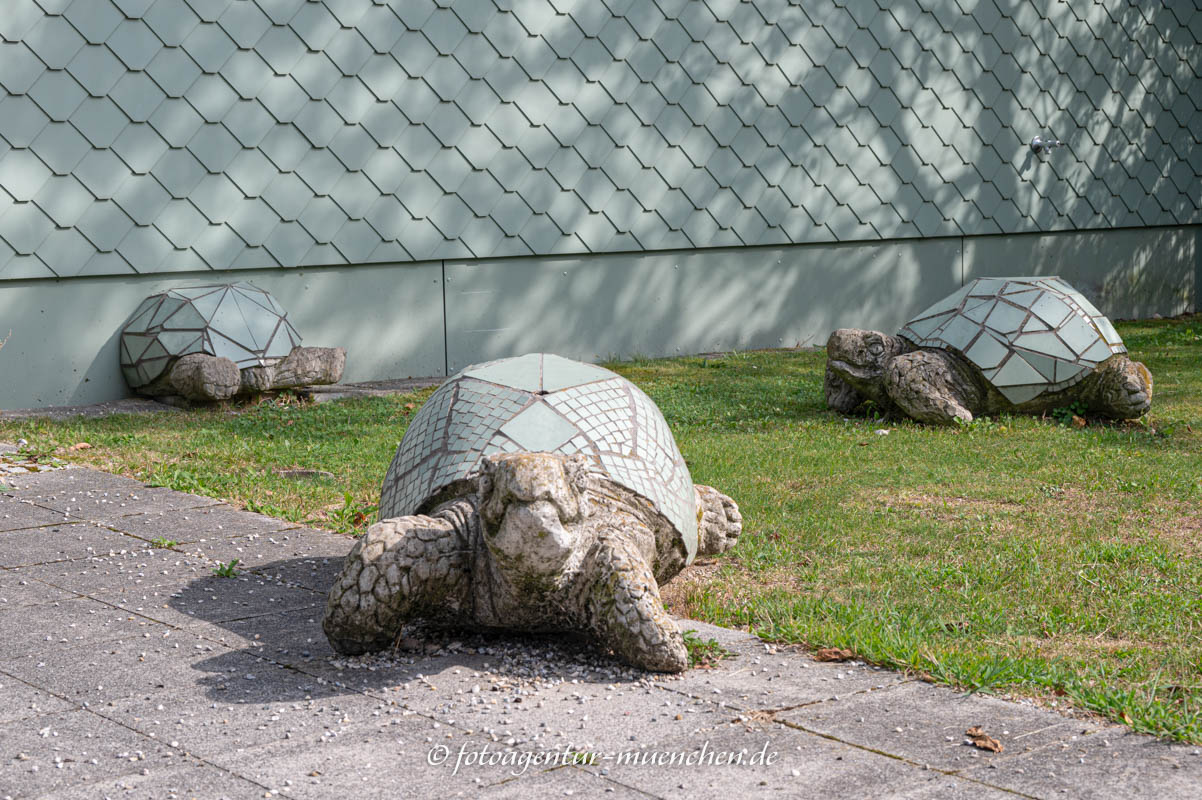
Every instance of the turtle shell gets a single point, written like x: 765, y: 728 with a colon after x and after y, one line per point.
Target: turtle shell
x: 232, y: 320
x: 1028, y: 336
x: 541, y: 403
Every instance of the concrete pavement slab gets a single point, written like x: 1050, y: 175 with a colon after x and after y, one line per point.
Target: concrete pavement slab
x: 52, y: 485
x: 19, y: 700
x: 74, y: 749
x: 256, y: 704
x: 68, y: 623
x: 132, y: 572
x: 759, y: 676
x: 107, y: 506
x: 925, y: 724
x: 761, y: 759
x: 1110, y: 763
x: 101, y: 673
x: 17, y: 514
x: 197, y: 780
x: 280, y: 552
x: 47, y: 545
x: 18, y: 590
x: 192, y: 525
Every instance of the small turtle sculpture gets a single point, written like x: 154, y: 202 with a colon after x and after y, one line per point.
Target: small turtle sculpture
x: 207, y: 343
x: 1023, y: 345
x: 535, y: 494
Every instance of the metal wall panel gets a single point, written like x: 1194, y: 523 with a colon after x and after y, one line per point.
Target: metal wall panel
x: 662, y: 304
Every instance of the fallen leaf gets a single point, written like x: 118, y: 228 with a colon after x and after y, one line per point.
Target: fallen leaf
x: 1127, y: 718
x: 1078, y: 422
x: 83, y: 446
x: 409, y: 406
x: 359, y: 518
x: 982, y: 740
x: 833, y: 654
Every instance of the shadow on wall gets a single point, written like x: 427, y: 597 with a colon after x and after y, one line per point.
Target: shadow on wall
x: 688, y: 302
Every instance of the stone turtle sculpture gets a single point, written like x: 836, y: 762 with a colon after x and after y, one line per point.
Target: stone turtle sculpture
x: 207, y: 343
x: 1024, y: 345
x: 536, y: 494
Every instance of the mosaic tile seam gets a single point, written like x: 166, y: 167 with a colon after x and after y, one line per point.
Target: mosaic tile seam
x: 170, y: 135
x: 613, y: 422
x: 236, y: 321
x: 1028, y: 336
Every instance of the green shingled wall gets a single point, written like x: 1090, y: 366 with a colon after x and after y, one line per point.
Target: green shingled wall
x: 143, y: 136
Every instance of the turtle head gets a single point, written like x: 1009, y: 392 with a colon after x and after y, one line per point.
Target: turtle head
x: 530, y: 504
x: 859, y: 357
x: 1124, y: 388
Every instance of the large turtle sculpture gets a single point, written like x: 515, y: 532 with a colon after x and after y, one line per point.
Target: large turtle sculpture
x: 537, y: 494
x: 1024, y: 345
x: 207, y: 343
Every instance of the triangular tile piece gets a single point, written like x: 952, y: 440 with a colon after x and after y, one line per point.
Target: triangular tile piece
x: 141, y: 316
x: 1079, y: 334
x: 1021, y: 394
x: 983, y: 287
x: 959, y: 332
x: 136, y: 345
x: 987, y: 352
x: 168, y: 307
x: 1006, y: 318
x: 1099, y: 352
x: 980, y: 311
x: 1068, y: 372
x: 206, y: 304
x: 523, y: 372
x: 920, y: 329
x: 1034, y: 323
x: 561, y: 373
x: 539, y: 429
x: 1017, y: 372
x: 1047, y: 344
x: 1051, y: 309
x: 1045, y: 365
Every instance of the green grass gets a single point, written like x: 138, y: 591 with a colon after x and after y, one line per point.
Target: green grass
x: 1015, y: 555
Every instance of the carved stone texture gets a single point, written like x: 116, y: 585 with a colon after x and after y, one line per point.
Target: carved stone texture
x: 1025, y: 345
x: 201, y: 377
x: 538, y: 494
x: 235, y: 323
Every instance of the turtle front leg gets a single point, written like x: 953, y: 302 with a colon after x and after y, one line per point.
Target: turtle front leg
x: 401, y: 569
x: 622, y: 606
x: 203, y: 378
x: 930, y: 387
x: 720, y: 521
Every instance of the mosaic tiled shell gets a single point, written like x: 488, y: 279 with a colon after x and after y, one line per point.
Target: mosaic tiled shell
x: 541, y: 403
x: 1027, y: 335
x: 231, y: 320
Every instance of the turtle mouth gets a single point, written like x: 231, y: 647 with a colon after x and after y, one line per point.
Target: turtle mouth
x: 854, y: 370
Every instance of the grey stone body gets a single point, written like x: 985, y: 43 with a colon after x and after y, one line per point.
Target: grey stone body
x: 1024, y: 345
x: 501, y: 537
x: 210, y: 343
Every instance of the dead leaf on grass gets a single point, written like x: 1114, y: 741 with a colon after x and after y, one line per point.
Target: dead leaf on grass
x: 833, y: 654
x: 983, y: 741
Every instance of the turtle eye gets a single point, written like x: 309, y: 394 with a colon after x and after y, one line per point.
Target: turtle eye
x: 876, y: 349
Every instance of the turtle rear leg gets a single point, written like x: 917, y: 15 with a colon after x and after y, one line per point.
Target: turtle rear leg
x: 927, y: 386
x: 623, y: 607
x: 401, y: 569
x: 720, y: 522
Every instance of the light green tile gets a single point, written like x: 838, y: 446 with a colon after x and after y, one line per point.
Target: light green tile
x: 539, y: 429
x: 524, y: 372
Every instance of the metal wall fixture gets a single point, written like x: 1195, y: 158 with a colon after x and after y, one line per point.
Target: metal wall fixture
x: 1040, y: 144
